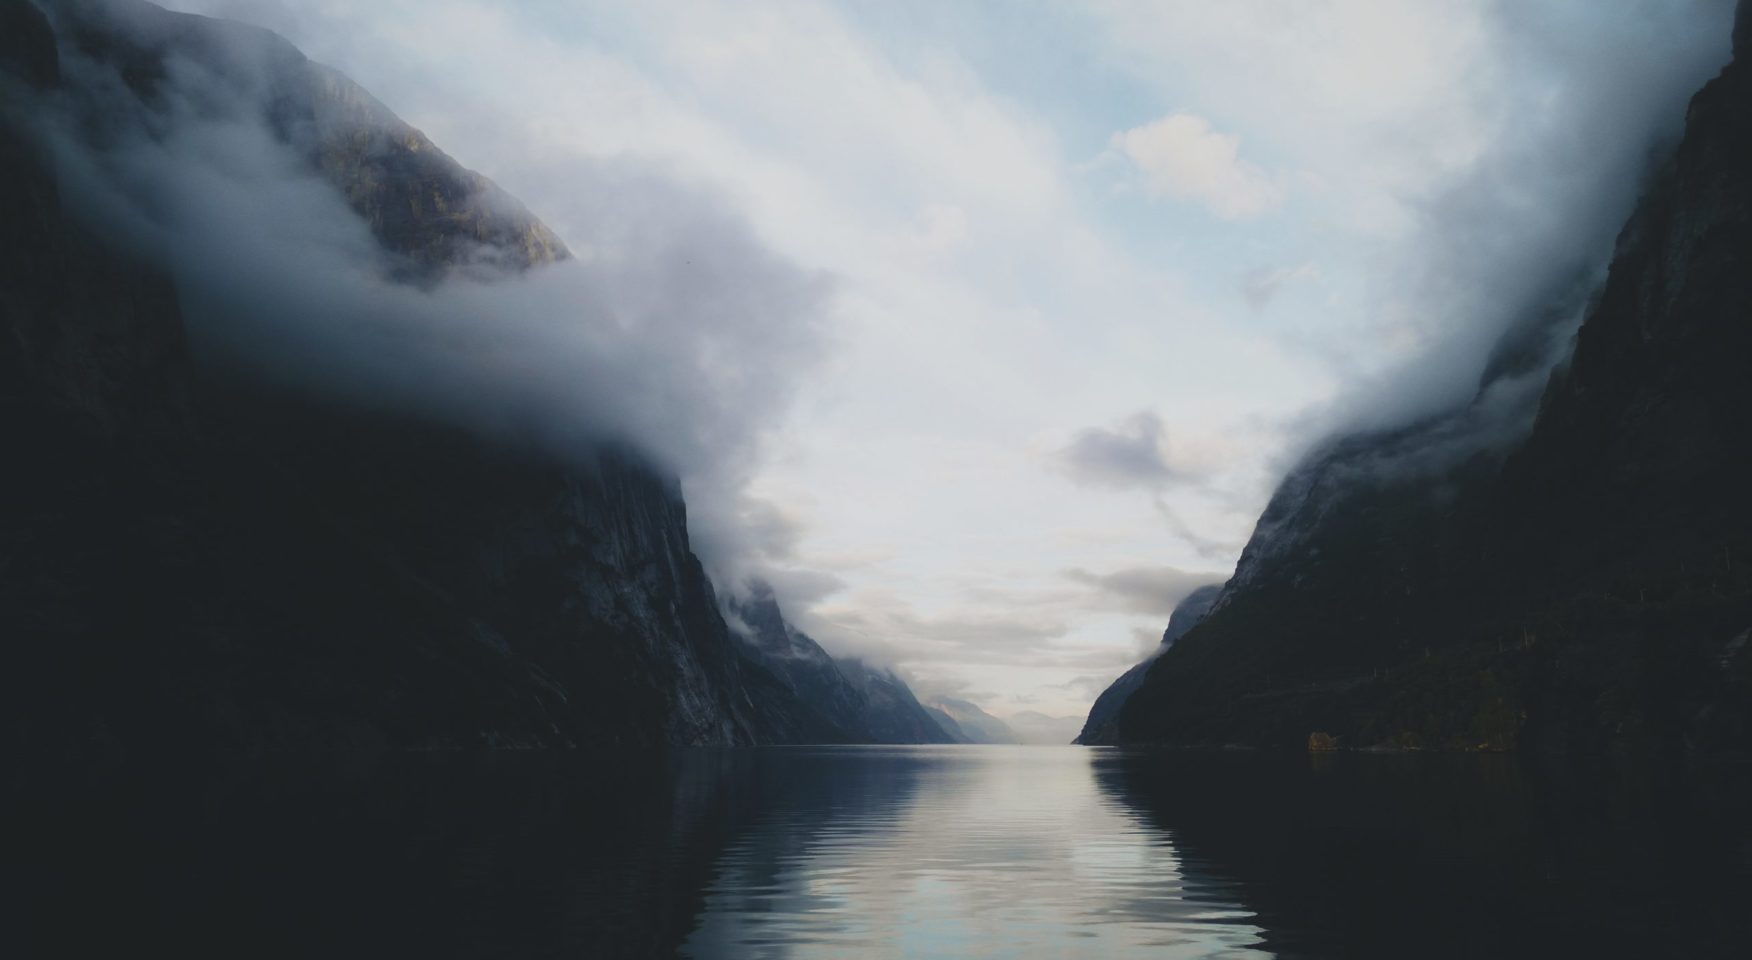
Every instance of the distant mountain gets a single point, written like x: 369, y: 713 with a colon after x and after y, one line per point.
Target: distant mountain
x: 894, y: 715
x: 858, y: 703
x: 1099, y: 726
x: 1032, y: 726
x: 948, y: 725
x: 975, y: 724
x: 1564, y: 562
x: 216, y: 564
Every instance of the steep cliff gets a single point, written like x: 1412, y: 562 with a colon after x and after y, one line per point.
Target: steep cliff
x: 1487, y: 578
x: 196, y: 559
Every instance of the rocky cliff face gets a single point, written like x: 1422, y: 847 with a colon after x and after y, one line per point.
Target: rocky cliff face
x: 430, y: 213
x: 1492, y: 579
x: 856, y: 703
x: 194, y: 560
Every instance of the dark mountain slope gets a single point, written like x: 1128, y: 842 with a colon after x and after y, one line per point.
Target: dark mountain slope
x: 198, y: 562
x: 1469, y: 582
x: 1104, y: 712
x: 894, y: 714
x: 856, y: 703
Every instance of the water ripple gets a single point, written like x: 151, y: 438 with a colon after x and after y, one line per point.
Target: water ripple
x: 960, y: 852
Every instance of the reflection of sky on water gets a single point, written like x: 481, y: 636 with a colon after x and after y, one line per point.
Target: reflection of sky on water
x: 1009, y: 852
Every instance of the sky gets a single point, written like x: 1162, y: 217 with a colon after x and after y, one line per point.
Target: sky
x: 1082, y: 279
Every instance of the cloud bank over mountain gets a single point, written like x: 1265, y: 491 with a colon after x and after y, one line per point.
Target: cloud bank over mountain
x: 672, y: 329
x: 1257, y: 224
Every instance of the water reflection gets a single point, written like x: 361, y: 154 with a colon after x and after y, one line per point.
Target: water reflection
x: 1459, y: 856
x: 958, y: 852
x: 882, y: 852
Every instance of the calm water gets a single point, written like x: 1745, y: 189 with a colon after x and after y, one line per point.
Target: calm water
x: 960, y: 852
x: 888, y: 852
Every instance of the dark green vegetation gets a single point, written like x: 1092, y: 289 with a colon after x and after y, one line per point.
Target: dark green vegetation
x: 1587, y: 583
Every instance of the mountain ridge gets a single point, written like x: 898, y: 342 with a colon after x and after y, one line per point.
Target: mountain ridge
x: 859, y: 703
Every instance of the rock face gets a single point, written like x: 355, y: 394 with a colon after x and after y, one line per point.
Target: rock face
x: 1490, y: 579
x: 1101, y: 726
x: 856, y: 703
x: 221, y: 566
x: 429, y: 213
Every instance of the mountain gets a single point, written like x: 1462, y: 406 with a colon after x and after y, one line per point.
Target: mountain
x: 1099, y: 726
x: 202, y: 561
x: 1564, y: 562
x: 976, y: 725
x: 1032, y: 726
x: 895, y: 714
x: 857, y: 703
x: 948, y: 725
x: 430, y: 214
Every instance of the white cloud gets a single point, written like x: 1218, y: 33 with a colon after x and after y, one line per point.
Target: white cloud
x: 941, y: 228
x: 1180, y: 156
x: 1261, y: 285
x: 1137, y: 453
x: 1150, y: 590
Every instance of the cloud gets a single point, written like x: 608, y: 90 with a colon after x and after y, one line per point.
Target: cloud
x: 981, y: 635
x: 941, y: 228
x: 1137, y: 453
x: 1130, y: 454
x: 1261, y: 285
x: 1087, y: 686
x: 1180, y: 156
x: 1146, y: 644
x: 1209, y: 548
x: 799, y: 589
x: 1149, y: 590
